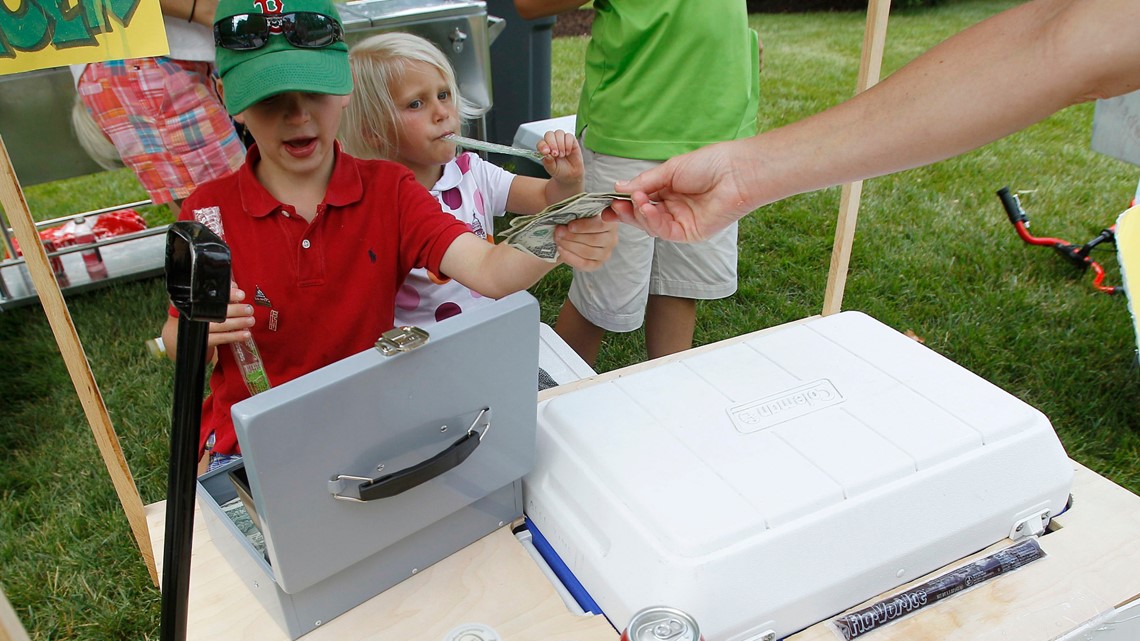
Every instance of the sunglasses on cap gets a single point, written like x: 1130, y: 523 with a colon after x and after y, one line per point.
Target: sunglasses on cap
x: 304, y: 29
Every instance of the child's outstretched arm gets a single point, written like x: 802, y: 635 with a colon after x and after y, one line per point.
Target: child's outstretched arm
x: 562, y: 159
x: 497, y: 270
x: 239, y: 318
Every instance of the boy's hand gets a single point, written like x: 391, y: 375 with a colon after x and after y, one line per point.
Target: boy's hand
x: 239, y: 318
x: 586, y: 243
x: 562, y: 158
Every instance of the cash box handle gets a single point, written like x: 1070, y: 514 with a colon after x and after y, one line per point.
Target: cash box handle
x: 409, y: 477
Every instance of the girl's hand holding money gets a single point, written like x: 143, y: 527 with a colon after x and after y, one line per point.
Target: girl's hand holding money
x: 586, y: 243
x: 562, y: 159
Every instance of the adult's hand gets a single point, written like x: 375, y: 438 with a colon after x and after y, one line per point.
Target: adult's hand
x: 691, y: 197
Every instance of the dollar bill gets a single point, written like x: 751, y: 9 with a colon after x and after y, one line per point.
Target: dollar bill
x: 494, y: 148
x: 536, y: 240
x: 237, y: 513
x: 535, y: 234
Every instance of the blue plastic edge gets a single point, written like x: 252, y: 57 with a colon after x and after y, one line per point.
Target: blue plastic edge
x: 561, y: 571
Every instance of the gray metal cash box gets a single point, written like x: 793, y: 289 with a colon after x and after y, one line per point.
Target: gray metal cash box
x: 373, y: 468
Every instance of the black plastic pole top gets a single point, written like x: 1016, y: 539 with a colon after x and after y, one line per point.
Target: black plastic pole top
x: 198, y: 282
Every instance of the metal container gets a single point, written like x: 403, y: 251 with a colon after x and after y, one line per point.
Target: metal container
x: 458, y: 27
x: 659, y: 623
x: 35, y: 122
x: 368, y: 470
x: 1116, y: 127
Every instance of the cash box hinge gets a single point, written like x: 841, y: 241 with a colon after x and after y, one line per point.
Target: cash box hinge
x: 401, y: 339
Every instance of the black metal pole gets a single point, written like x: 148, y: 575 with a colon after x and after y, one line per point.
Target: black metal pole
x: 189, y: 377
x: 197, y: 279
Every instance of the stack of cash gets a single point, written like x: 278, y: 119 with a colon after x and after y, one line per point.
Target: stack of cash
x: 535, y: 234
x: 237, y: 513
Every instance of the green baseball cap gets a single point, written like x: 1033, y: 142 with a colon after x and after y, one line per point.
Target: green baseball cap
x: 278, y: 67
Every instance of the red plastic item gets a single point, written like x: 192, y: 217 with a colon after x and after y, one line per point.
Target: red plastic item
x: 115, y: 223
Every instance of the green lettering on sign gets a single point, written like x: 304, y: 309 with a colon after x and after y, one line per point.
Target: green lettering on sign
x: 36, y: 24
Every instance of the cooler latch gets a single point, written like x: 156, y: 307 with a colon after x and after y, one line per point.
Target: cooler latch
x: 1033, y: 525
x: 401, y: 339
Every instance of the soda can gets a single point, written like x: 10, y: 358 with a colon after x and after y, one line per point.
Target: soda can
x: 660, y: 623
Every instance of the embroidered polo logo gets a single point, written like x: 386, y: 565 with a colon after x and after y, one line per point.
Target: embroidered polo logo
x: 259, y: 297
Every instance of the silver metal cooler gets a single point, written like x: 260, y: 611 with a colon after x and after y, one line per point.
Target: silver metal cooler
x: 343, y: 466
x: 460, y: 28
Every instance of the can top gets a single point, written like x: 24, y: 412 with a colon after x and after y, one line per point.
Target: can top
x: 660, y: 623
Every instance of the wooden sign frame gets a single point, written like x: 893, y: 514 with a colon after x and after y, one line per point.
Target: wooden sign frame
x: 16, y: 207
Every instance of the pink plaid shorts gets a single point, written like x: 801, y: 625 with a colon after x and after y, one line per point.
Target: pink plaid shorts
x: 166, y: 121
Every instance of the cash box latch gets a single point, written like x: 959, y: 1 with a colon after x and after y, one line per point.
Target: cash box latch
x: 401, y: 339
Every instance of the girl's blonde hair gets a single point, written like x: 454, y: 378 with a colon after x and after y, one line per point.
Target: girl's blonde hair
x: 368, y: 129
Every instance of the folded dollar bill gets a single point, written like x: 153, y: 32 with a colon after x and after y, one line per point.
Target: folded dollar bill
x: 535, y: 234
x: 494, y: 148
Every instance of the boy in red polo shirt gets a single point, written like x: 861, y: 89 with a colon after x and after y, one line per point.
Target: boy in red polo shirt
x: 320, y: 241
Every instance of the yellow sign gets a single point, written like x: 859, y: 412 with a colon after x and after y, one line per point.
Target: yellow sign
x: 1128, y: 251
x: 37, y: 34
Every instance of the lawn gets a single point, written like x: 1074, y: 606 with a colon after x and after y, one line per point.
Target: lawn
x: 933, y: 255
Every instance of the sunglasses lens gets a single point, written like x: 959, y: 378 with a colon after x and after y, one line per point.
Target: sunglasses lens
x: 241, y: 32
x: 313, y: 30
x: 249, y: 31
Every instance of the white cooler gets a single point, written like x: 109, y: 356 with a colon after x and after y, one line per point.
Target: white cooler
x: 767, y: 484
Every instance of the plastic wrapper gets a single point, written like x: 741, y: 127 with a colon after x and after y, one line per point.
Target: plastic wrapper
x: 855, y: 624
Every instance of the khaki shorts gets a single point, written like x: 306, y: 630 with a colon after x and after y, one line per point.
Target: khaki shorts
x: 614, y: 296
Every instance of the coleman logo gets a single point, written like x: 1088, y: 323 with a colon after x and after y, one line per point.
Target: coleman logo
x: 785, y: 406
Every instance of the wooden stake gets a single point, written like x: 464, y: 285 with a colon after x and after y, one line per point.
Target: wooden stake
x: 871, y: 64
x: 16, y: 207
x: 10, y: 627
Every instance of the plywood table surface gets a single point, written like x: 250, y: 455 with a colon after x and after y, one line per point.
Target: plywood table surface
x: 492, y: 582
x: 1093, y: 566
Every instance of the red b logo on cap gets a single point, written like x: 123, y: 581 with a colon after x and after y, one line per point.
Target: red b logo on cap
x: 269, y: 7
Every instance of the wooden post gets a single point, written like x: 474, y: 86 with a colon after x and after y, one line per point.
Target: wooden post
x: 16, y: 207
x: 10, y: 627
x: 874, y: 39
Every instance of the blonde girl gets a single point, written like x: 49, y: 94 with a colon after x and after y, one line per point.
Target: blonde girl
x: 404, y: 103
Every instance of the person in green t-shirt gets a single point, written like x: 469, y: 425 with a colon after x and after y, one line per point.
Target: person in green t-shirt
x: 999, y: 76
x: 662, y: 78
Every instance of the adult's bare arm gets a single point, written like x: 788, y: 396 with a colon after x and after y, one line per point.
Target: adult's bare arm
x: 982, y: 84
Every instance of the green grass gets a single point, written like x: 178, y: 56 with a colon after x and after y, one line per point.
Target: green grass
x: 933, y: 254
